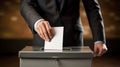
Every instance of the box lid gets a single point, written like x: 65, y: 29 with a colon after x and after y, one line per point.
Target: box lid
x: 67, y: 52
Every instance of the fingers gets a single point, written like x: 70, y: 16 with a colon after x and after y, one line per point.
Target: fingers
x: 95, y: 52
x: 44, y: 30
x: 100, y: 52
x: 49, y: 30
x: 99, y: 49
x: 40, y: 33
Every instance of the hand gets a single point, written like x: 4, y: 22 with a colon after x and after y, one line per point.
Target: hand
x: 99, y: 49
x: 44, y: 30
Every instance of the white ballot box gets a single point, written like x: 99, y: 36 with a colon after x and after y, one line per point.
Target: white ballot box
x: 68, y: 57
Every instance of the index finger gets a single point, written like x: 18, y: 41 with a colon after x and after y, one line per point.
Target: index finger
x: 49, y: 29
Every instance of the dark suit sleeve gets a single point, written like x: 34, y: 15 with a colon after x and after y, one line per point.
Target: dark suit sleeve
x: 95, y: 19
x: 29, y: 12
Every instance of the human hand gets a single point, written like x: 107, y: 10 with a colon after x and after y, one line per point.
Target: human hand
x: 44, y: 30
x: 99, y: 49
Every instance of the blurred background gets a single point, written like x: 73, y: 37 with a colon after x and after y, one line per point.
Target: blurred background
x: 15, y: 34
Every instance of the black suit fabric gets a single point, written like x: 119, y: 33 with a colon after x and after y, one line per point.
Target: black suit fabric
x: 67, y: 16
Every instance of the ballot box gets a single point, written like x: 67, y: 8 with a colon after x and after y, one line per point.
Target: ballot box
x: 68, y: 57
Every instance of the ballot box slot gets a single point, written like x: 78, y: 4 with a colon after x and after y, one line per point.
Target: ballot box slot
x: 64, y: 49
x: 55, y: 55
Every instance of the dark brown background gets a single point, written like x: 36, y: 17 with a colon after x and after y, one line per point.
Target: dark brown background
x: 15, y: 34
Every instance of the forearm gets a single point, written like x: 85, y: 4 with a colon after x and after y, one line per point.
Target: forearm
x: 29, y: 13
x: 95, y: 19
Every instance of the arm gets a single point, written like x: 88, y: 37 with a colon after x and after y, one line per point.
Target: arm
x: 96, y: 24
x: 95, y: 19
x: 29, y: 12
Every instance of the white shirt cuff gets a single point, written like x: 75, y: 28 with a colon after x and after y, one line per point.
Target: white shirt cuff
x: 37, y: 22
x: 98, y: 42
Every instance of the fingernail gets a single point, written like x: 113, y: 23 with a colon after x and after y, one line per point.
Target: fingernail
x: 48, y: 40
x: 50, y: 37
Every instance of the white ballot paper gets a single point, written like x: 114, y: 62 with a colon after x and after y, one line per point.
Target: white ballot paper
x: 56, y: 43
